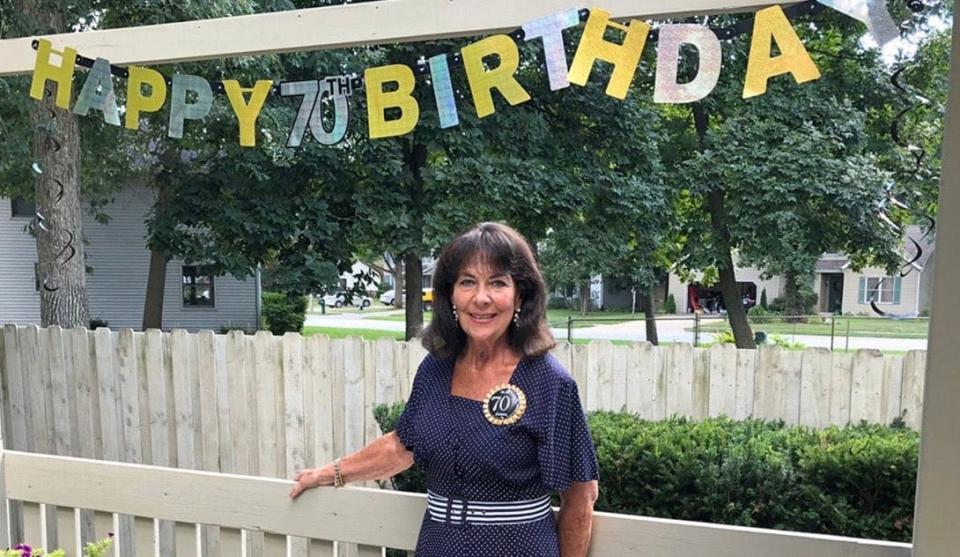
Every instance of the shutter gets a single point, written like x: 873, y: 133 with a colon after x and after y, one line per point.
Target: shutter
x: 862, y: 296
x: 896, y: 290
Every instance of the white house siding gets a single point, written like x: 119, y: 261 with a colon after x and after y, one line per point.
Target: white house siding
x: 119, y: 262
x: 19, y: 299
x: 909, y: 286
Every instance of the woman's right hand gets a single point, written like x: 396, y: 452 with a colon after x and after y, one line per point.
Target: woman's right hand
x: 310, y: 478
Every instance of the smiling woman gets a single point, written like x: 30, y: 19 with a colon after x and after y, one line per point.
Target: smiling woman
x: 493, y: 420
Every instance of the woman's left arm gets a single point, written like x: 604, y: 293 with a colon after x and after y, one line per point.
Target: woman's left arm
x: 576, y: 518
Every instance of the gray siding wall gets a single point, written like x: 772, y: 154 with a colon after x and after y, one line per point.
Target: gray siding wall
x: 116, y: 286
x: 19, y: 299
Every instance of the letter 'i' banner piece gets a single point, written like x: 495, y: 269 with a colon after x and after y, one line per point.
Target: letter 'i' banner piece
x: 247, y: 112
x: 62, y: 75
x: 378, y: 100
x: 180, y: 110
x: 483, y: 81
x: 97, y: 93
x: 137, y: 101
x: 666, y: 89
x: 443, y: 91
x: 550, y: 29
x: 624, y: 57
x: 771, y: 24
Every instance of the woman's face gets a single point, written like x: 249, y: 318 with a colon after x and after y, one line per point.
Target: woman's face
x: 485, y: 300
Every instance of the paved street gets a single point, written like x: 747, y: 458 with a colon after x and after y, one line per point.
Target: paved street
x: 669, y: 330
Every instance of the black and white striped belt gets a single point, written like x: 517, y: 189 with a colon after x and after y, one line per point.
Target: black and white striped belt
x: 462, y: 511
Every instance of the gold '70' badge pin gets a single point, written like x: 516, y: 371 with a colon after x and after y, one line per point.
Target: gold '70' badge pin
x: 504, y: 405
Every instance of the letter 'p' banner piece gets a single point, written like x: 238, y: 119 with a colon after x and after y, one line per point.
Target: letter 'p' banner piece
x: 180, y: 109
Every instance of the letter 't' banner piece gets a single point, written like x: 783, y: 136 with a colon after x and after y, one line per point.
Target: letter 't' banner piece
x: 483, y: 81
x: 871, y: 12
x: 247, y: 112
x: 550, y: 29
x: 97, y: 93
x: 180, y: 110
x: 624, y: 57
x: 666, y: 89
x: 771, y: 24
x: 137, y: 101
x: 62, y: 75
x: 443, y: 91
x: 378, y: 100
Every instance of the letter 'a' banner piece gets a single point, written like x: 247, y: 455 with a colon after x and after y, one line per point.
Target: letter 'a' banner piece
x: 550, y: 29
x: 624, y: 57
x: 97, y: 93
x: 378, y: 100
x: 769, y: 25
x: 666, y: 89
x: 483, y: 81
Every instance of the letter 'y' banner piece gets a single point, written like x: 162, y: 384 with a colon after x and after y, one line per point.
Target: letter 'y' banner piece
x: 490, y: 65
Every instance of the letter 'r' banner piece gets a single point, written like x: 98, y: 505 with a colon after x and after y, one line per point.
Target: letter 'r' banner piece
x: 771, y: 24
x: 483, y: 81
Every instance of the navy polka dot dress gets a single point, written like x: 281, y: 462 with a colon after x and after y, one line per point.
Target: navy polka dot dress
x: 465, y: 457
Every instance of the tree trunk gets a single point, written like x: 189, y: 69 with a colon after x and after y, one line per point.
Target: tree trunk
x: 398, y: 284
x: 585, y: 298
x: 737, y: 316
x: 413, y: 276
x: 649, y: 313
x: 156, y: 276
x: 58, y: 225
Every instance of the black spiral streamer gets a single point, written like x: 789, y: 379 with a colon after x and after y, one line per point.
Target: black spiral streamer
x: 918, y: 154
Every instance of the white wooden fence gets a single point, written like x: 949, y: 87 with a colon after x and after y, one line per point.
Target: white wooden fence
x: 267, y: 406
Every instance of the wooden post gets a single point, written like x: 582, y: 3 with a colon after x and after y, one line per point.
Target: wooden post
x: 937, y: 517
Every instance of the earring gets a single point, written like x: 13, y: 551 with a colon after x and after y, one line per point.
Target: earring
x: 516, y: 318
x: 456, y: 318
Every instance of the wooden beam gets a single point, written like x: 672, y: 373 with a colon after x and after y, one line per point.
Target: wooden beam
x: 387, y: 21
x: 370, y: 516
x: 937, y: 517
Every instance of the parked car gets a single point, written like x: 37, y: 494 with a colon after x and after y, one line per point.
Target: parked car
x: 339, y: 299
x: 426, y: 297
x: 388, y: 297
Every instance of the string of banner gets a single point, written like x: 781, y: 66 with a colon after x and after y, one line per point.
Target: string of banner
x: 393, y: 111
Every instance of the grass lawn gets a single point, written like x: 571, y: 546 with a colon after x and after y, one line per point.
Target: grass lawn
x: 366, y: 334
x: 855, y: 326
x: 555, y: 317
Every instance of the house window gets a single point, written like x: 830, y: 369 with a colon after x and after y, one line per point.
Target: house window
x: 197, y: 286
x: 883, y: 290
x: 24, y: 208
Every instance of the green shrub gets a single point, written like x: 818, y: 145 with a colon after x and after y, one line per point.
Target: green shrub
x: 855, y: 481
x: 763, y: 299
x: 283, y: 313
x: 558, y: 302
x: 785, y: 343
x: 670, y: 306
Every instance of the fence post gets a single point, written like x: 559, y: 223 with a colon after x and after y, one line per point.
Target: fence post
x: 696, y: 329
x: 846, y: 346
x: 570, y: 329
x: 833, y: 329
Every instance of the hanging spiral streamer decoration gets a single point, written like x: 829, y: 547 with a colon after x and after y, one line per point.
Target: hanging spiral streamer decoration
x: 918, y: 154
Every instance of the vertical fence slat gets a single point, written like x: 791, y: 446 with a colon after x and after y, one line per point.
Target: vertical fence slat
x: 183, y: 350
x: 792, y: 362
x: 679, y: 374
x: 580, y: 372
x: 618, y: 377
x: 911, y: 400
x: 129, y: 396
x: 370, y: 429
x: 323, y: 400
x: 60, y: 379
x: 769, y: 383
x: 295, y: 435
x: 639, y: 360
x: 209, y: 427
x: 700, y: 395
x: 237, y: 397
x: 267, y: 393
x: 866, y: 386
x: 34, y: 393
x: 746, y: 373
x: 387, y: 375
x: 87, y: 427
x: 108, y: 395
x: 224, y: 427
x: 401, y: 356
x: 5, y: 540
x: 840, y: 384
x: 353, y: 399
x: 815, y: 387
x: 156, y: 371
x: 337, y: 362
x: 15, y: 382
x: 892, y: 387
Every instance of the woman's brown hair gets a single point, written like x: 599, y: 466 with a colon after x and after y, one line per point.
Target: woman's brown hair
x: 506, y: 251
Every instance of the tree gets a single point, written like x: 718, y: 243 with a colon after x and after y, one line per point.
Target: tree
x: 779, y: 179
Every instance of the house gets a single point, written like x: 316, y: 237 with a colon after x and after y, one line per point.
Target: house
x: 839, y: 288
x: 118, y: 261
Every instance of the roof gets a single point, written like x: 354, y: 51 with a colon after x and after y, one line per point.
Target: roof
x: 836, y: 264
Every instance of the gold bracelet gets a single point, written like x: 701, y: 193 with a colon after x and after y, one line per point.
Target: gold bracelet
x: 337, y: 475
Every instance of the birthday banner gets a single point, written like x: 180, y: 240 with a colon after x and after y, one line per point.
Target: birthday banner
x: 393, y: 110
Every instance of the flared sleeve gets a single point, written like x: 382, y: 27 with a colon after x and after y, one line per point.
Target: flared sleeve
x: 566, y: 450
